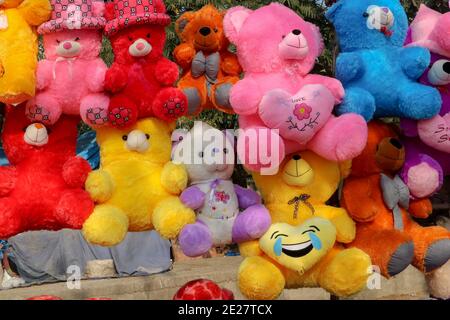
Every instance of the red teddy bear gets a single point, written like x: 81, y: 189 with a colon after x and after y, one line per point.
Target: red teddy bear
x: 141, y: 79
x: 43, y: 186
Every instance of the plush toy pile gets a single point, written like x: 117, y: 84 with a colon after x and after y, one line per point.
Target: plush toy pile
x: 427, y: 142
x: 336, y: 193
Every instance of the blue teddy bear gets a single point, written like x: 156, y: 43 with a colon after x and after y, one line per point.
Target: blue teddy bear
x: 378, y: 73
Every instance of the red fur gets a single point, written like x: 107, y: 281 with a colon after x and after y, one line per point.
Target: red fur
x: 42, y: 188
x: 143, y: 85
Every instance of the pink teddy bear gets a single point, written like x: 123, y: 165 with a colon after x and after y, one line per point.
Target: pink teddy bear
x: 277, y: 49
x: 71, y: 78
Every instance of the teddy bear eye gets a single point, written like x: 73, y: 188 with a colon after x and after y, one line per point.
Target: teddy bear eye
x: 282, y: 37
x: 201, y: 154
x: 148, y: 35
x: 215, y: 30
x: 147, y: 136
x: 225, y: 150
x: 125, y: 138
x: 130, y: 38
x: 57, y: 41
x: 77, y: 39
x: 365, y: 14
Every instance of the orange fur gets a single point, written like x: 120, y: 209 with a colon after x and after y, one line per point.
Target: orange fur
x: 192, y: 41
x: 363, y: 199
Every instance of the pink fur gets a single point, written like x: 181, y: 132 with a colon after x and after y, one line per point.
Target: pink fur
x: 277, y: 79
x: 431, y: 29
x: 71, y: 83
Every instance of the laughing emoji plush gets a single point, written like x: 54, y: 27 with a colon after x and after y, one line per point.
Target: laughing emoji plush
x: 299, y: 248
x: 304, y: 245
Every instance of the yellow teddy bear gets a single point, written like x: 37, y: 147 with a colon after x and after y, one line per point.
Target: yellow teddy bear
x: 19, y: 47
x: 137, y: 186
x: 303, y: 247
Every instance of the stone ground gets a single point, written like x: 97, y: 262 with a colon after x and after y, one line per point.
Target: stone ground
x: 410, y: 284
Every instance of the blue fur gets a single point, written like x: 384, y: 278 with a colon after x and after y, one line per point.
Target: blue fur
x: 379, y: 75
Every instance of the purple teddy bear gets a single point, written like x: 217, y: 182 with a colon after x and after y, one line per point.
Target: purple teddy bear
x: 226, y: 213
x: 427, y: 142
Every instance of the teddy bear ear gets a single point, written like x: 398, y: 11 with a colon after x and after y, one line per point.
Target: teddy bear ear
x: 234, y: 20
x: 109, y: 11
x: 318, y: 37
x: 183, y: 21
x: 179, y: 135
x: 331, y: 13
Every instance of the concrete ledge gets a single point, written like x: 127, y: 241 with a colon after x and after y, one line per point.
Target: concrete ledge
x: 408, y: 285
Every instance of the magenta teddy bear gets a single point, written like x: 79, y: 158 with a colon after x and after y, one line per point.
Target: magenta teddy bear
x: 427, y: 142
x: 71, y: 78
x: 277, y: 49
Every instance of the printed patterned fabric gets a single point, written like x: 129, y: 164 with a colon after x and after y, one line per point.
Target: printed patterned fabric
x: 72, y: 14
x: 134, y: 12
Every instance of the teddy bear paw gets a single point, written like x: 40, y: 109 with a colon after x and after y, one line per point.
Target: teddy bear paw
x: 347, y: 273
x: 259, y: 279
x: 170, y: 104
x: 96, y: 116
x: 195, y: 239
x: 38, y: 113
x: 106, y: 226
x: 120, y: 117
x: 437, y: 254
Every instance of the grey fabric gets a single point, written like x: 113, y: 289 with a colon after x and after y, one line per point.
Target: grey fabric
x: 194, y: 99
x: 208, y: 66
x: 44, y: 256
x: 395, y: 194
x: 401, y: 258
x: 437, y: 255
x: 223, y: 95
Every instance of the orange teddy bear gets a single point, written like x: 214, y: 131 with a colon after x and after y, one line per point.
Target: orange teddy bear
x: 209, y: 68
x: 378, y: 200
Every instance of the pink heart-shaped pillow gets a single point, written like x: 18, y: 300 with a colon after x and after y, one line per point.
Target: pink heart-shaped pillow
x: 297, y: 117
x: 435, y: 132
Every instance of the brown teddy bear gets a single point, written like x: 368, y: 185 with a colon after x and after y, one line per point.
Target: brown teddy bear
x: 378, y: 200
x: 209, y: 68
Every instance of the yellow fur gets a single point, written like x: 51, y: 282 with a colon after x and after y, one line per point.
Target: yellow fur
x: 142, y: 185
x: 19, y: 47
x: 341, y: 271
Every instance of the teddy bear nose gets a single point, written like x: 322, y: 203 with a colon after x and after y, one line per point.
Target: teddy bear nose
x: 446, y: 67
x: 205, y: 31
x: 296, y: 157
x: 296, y: 32
x: 396, y: 143
x: 140, y: 46
x: 67, y: 45
x: 38, y: 126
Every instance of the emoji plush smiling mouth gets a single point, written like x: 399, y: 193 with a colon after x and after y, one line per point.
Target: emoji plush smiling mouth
x: 300, y: 247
